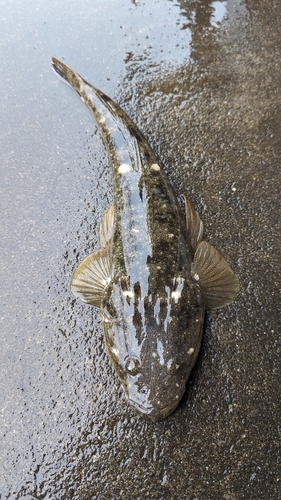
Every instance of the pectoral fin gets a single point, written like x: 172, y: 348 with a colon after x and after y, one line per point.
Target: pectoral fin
x: 106, y: 227
x: 194, y: 226
x: 217, y: 280
x: 92, y: 276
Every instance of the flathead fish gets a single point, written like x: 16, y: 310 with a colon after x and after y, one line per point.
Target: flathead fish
x: 154, y: 275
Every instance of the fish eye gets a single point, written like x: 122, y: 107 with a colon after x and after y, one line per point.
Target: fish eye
x: 173, y: 366
x: 132, y: 366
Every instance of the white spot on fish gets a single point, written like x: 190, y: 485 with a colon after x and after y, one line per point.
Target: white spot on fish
x: 154, y: 354
x: 196, y: 277
x: 176, y: 295
x: 155, y: 167
x: 102, y: 119
x: 124, y: 168
x: 190, y: 351
x: 115, y: 351
x: 129, y: 293
x: 105, y: 282
x: 171, y: 235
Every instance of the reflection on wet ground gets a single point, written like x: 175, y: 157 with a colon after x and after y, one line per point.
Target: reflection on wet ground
x: 202, y: 81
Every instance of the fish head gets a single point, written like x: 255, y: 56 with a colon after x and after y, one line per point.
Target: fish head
x: 153, y: 341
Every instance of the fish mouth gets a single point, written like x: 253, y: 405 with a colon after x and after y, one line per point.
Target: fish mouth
x: 153, y: 413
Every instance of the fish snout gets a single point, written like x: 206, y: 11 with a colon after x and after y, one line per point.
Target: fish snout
x: 154, y: 413
x: 154, y: 404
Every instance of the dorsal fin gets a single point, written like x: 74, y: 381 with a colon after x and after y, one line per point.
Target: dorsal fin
x: 219, y: 283
x: 106, y: 226
x: 194, y: 226
x: 92, y: 276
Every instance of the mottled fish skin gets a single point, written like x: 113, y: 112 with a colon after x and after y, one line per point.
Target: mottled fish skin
x: 153, y: 276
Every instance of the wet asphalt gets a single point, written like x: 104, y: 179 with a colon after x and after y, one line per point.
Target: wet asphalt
x: 202, y: 81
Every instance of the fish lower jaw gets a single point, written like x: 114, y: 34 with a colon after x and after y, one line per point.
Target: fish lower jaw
x: 152, y: 413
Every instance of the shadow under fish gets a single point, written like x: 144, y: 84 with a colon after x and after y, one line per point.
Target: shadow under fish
x: 154, y: 275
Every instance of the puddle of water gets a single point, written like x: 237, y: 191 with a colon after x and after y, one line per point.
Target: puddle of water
x: 67, y: 429
x: 219, y: 13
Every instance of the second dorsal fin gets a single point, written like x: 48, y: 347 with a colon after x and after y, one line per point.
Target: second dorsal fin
x: 194, y: 226
x: 107, y: 226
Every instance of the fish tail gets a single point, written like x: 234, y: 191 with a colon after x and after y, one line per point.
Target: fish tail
x: 88, y: 93
x: 72, y: 78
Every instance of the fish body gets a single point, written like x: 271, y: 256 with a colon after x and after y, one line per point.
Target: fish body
x: 153, y: 276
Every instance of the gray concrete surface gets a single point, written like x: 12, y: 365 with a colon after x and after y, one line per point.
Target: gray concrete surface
x: 202, y: 80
